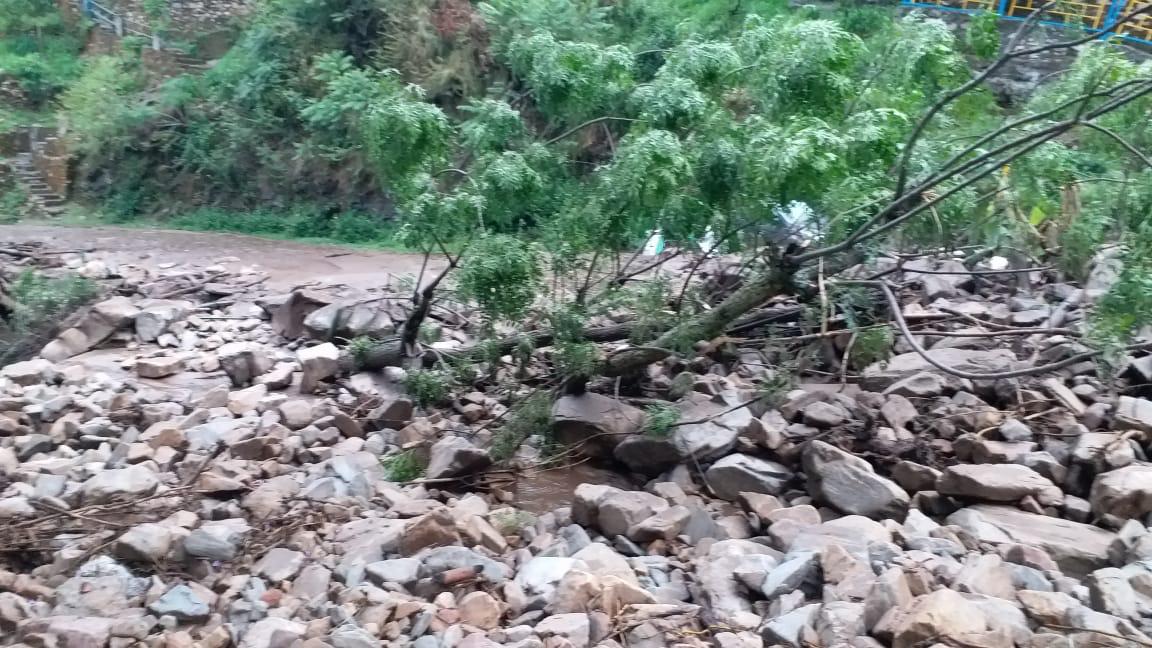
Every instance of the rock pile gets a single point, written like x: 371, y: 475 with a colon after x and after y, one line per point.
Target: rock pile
x: 254, y: 510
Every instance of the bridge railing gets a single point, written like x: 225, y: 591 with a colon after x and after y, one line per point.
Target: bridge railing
x: 1087, y: 15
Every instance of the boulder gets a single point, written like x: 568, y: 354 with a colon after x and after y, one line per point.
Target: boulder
x: 317, y: 363
x: 1134, y: 413
x: 30, y: 372
x: 119, y: 484
x: 147, y: 543
x: 850, y: 485
x: 1125, y: 492
x: 620, y: 510
x: 351, y: 319
x: 288, y: 318
x: 243, y: 362
x: 880, y: 376
x: 597, y: 422
x: 156, y: 315
x: 943, y: 616
x: 1078, y: 548
x: 997, y: 483
x: 739, y: 473
x: 455, y: 456
x: 279, y: 564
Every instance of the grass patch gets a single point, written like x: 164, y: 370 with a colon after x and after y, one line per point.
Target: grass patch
x: 659, y: 419
x: 533, y: 415
x: 403, y: 467
x: 428, y: 387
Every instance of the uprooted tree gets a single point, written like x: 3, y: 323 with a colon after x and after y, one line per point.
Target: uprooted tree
x: 890, y: 144
x: 530, y: 169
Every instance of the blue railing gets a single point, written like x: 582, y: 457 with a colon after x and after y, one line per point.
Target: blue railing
x: 1095, y: 16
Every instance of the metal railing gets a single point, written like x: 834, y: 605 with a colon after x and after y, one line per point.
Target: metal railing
x: 116, y: 23
x: 1087, y: 15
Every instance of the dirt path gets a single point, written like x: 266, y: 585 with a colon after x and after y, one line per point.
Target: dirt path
x: 287, y: 263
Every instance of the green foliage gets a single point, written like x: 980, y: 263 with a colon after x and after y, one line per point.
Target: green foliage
x: 659, y: 420
x: 531, y: 416
x: 12, y: 202
x: 502, y: 274
x: 403, y: 467
x: 40, y: 303
x: 428, y: 387
x: 102, y: 109
x: 1127, y: 307
x: 359, y: 348
x: 872, y: 345
x: 982, y: 35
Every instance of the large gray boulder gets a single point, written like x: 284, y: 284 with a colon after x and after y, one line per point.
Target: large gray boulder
x: 878, y: 377
x: 850, y: 485
x: 597, y: 423
x: 739, y: 473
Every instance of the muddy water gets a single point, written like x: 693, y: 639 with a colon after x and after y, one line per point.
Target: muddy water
x: 540, y: 491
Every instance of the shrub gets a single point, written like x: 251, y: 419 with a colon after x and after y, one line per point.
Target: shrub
x: 403, y: 467
x: 428, y: 387
x: 533, y: 415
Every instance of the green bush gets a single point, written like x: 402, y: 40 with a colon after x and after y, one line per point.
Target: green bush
x: 403, y: 467
x: 531, y: 416
x: 428, y: 387
x: 354, y: 227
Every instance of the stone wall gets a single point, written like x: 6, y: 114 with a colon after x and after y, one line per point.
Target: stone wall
x: 186, y: 18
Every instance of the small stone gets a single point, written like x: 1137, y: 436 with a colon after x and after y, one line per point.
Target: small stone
x: 402, y: 571
x: 146, y: 542
x: 279, y: 564
x: 159, y: 367
x: 183, y: 603
x: 1014, y: 430
x: 480, y: 610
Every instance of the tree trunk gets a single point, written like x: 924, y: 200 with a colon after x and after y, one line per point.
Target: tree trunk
x: 707, y: 325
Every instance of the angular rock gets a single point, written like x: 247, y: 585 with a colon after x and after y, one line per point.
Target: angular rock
x: 942, y: 616
x: 1125, y: 492
x: 997, y: 483
x: 317, y: 363
x: 243, y: 362
x: 620, y: 510
x: 1078, y: 548
x: 29, y: 372
x: 1134, y: 413
x: 148, y: 543
x: 739, y: 473
x: 850, y: 485
x: 480, y: 610
x: 402, y: 571
x: 156, y: 315
x: 160, y: 367
x: 880, y: 376
x: 279, y: 564
x: 183, y: 603
x: 119, y: 484
x: 455, y: 456
x: 598, y: 422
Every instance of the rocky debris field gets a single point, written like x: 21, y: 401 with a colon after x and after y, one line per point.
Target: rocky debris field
x: 225, y: 481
